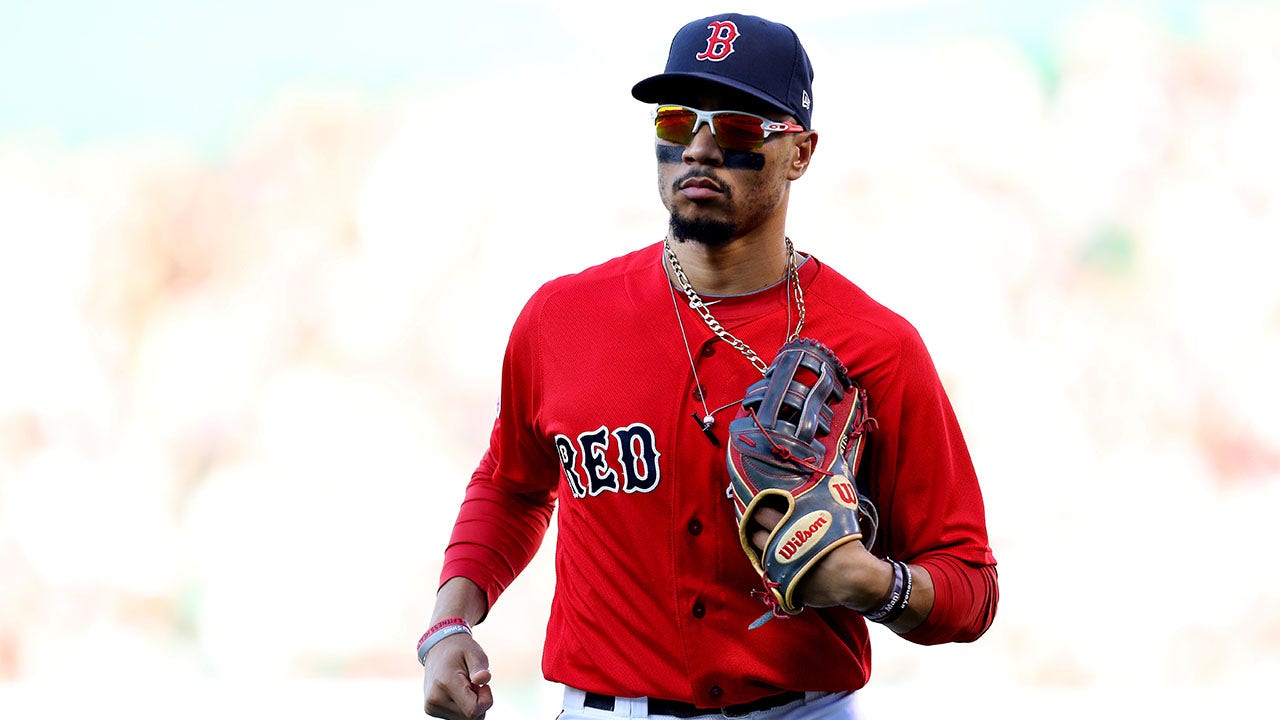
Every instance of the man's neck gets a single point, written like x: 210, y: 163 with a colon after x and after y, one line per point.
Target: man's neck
x: 744, y: 265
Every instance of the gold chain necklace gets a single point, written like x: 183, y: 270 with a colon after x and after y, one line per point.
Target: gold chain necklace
x: 709, y: 416
x: 695, y: 302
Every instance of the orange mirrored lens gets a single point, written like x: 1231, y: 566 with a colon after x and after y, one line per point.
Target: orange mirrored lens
x: 732, y: 131
x: 735, y: 131
x: 675, y: 125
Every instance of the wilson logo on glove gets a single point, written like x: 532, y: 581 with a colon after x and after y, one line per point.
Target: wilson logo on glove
x: 843, y: 491
x: 811, y: 529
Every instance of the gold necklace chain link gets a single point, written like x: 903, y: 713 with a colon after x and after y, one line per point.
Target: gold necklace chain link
x: 793, y: 277
x: 695, y: 302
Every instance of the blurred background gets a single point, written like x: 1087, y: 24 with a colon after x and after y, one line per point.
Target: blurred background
x: 258, y: 261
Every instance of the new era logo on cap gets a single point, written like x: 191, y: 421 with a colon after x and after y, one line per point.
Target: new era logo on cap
x: 741, y: 52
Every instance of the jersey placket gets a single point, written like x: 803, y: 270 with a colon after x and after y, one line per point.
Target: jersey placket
x: 706, y: 538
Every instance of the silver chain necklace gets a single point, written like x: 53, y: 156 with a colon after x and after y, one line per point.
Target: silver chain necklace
x: 696, y: 302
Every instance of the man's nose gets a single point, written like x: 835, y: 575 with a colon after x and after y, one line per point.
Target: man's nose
x: 703, y: 148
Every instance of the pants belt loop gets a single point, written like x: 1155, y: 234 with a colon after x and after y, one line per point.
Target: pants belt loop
x: 573, y: 698
x: 630, y: 707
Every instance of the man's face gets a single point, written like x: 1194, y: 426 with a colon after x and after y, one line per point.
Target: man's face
x: 715, y: 195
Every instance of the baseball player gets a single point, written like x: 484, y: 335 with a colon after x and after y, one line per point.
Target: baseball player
x: 679, y: 405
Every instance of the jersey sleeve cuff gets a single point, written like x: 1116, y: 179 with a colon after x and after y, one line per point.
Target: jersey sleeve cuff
x: 964, y: 604
x: 476, y: 572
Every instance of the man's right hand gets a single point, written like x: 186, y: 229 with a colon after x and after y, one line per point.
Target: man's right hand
x: 456, y: 681
x: 455, y: 684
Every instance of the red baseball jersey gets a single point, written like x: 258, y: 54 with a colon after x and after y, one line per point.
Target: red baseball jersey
x: 653, y: 592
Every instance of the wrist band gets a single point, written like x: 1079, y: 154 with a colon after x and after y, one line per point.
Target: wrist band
x: 899, y: 596
x: 438, y: 632
x: 443, y: 624
x: 901, y: 607
x: 895, y: 593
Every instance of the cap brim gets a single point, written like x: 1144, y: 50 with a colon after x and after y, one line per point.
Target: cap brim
x: 667, y: 87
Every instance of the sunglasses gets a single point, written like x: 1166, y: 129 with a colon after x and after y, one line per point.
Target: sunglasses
x: 733, y: 130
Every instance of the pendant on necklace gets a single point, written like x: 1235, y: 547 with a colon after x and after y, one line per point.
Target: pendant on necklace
x: 705, y: 425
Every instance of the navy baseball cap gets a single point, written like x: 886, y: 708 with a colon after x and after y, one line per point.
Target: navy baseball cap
x: 746, y: 53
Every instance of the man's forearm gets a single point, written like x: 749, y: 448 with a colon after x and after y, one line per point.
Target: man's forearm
x: 459, y: 597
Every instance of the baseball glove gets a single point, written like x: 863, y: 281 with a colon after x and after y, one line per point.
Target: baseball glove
x: 795, y: 445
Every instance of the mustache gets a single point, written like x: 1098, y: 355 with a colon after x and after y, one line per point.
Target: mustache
x: 702, y: 173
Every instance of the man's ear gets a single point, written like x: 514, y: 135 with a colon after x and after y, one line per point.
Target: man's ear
x: 802, y: 154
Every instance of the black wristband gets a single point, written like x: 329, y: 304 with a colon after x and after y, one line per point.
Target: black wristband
x: 896, y: 591
x: 895, y: 595
x: 899, y: 607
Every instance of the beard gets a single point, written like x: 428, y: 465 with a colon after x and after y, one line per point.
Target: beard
x: 711, y: 233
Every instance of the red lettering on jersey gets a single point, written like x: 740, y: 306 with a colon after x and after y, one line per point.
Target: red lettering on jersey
x: 720, y: 44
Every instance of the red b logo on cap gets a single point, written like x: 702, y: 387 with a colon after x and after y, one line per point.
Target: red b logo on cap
x: 720, y: 44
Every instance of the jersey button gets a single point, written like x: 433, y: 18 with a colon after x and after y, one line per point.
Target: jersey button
x: 709, y: 349
x: 716, y: 692
x: 699, y: 609
x: 695, y: 527
x: 698, y: 394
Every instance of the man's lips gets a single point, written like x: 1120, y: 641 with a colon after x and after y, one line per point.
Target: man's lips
x: 700, y: 188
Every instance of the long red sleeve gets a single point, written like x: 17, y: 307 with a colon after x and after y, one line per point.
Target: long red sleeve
x: 497, y: 532
x: 508, y: 505
x: 964, y: 606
